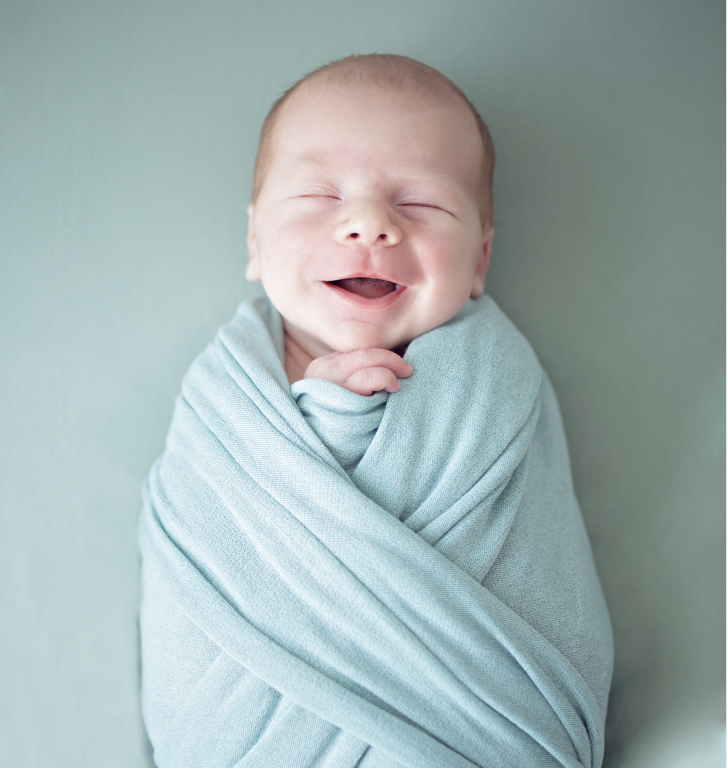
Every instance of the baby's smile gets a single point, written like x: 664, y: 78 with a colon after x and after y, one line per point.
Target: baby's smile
x: 367, y: 287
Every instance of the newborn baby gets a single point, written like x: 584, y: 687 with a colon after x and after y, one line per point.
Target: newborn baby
x: 361, y: 546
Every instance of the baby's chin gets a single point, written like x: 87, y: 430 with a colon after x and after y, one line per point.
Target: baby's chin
x: 347, y: 336
x: 320, y: 337
x: 358, y: 336
x: 354, y: 341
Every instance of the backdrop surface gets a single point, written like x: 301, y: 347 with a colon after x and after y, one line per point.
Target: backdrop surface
x: 127, y: 139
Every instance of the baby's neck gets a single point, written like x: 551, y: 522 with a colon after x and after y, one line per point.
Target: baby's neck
x: 296, y: 359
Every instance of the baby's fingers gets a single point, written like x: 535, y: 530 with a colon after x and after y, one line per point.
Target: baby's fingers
x: 367, y: 381
x: 340, y: 366
x: 349, y: 363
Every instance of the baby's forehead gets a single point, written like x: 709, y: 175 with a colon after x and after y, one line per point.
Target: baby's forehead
x: 388, y: 137
x: 323, y: 103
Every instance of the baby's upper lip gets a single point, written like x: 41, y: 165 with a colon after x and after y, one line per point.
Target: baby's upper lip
x: 371, y: 275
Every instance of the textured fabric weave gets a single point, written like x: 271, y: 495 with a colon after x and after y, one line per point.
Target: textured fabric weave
x: 332, y: 580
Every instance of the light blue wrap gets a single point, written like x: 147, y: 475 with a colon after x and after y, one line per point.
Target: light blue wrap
x: 333, y: 580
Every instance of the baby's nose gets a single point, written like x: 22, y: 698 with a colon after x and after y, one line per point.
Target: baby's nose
x: 368, y: 223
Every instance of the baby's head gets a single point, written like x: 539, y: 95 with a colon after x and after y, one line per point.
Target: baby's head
x: 371, y: 219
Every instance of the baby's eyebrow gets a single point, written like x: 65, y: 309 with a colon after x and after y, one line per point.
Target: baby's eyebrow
x: 433, y: 179
x: 307, y: 161
x: 435, y: 185
x: 302, y: 167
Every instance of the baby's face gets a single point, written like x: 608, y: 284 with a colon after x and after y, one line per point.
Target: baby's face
x: 366, y: 232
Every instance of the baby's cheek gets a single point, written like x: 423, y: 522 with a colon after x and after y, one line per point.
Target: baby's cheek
x: 450, y: 297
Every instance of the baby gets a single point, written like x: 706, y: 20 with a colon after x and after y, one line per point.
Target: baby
x: 361, y: 547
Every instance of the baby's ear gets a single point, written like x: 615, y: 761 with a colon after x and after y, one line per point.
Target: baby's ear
x: 252, y: 271
x: 482, y: 266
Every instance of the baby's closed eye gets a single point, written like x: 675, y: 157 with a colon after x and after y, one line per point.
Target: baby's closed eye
x: 318, y: 193
x: 424, y: 208
x: 420, y: 205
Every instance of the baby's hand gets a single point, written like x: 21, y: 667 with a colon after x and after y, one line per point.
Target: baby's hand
x: 363, y: 371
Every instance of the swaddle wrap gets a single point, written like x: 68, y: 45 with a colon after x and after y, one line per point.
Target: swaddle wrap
x: 333, y: 580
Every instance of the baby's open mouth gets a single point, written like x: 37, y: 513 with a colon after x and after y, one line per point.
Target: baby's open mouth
x: 368, y: 287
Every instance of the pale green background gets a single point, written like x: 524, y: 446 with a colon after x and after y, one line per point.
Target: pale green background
x: 127, y: 137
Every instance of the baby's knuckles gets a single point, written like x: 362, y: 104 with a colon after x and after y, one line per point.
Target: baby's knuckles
x: 362, y: 371
x: 367, y: 381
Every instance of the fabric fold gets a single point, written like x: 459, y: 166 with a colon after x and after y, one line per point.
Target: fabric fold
x: 409, y: 573
x: 344, y: 421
